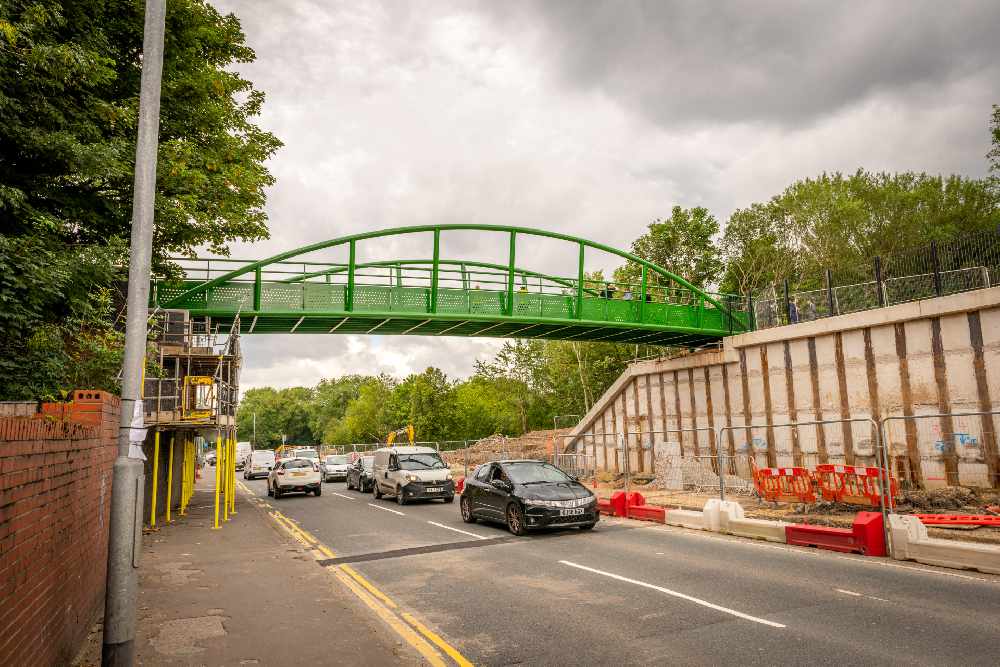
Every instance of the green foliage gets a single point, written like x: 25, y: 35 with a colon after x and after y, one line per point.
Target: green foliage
x: 683, y: 244
x: 56, y: 317
x: 69, y: 76
x: 278, y: 412
x: 69, y: 93
x: 994, y: 155
x: 841, y: 222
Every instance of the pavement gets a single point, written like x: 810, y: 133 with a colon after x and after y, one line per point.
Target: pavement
x: 246, y: 594
x: 636, y: 593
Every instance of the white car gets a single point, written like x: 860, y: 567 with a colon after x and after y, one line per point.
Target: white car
x: 306, y: 453
x: 258, y: 463
x: 334, y: 467
x: 294, y: 475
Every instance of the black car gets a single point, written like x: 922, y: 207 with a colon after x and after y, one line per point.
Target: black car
x: 359, y: 475
x: 527, y: 494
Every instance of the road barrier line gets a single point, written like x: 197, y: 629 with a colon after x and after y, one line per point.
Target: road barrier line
x: 341, y: 495
x: 440, y: 643
x: 387, y: 509
x: 368, y: 585
x: 375, y: 599
x: 401, y: 629
x: 682, y: 596
x: 457, y: 530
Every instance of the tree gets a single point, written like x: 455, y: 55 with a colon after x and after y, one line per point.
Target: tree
x: 279, y: 412
x: 69, y: 90
x: 70, y: 75
x: 330, y: 401
x: 841, y: 222
x: 682, y: 244
x: 994, y: 155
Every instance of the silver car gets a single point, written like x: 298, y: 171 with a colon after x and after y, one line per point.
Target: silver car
x: 334, y: 468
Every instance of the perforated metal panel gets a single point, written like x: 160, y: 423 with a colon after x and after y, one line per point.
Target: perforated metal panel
x: 239, y: 296
x: 486, y: 302
x: 411, y: 299
x: 278, y: 296
x: 320, y: 297
x: 372, y: 298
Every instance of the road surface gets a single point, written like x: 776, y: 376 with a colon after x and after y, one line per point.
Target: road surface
x: 639, y: 593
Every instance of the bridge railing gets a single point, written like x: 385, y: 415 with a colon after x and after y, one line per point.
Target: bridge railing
x: 421, y: 287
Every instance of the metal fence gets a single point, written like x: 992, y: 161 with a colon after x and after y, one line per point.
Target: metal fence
x: 923, y: 272
x: 949, y: 449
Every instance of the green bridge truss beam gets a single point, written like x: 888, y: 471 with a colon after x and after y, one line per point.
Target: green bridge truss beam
x: 665, y: 310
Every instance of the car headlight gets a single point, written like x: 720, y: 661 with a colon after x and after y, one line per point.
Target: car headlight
x: 411, y: 478
x: 448, y: 477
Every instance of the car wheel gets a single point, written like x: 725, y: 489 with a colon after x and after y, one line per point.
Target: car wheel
x: 318, y: 490
x: 269, y: 491
x: 377, y: 490
x: 466, y: 511
x: 450, y: 499
x: 399, y: 497
x: 515, y: 519
x: 588, y: 526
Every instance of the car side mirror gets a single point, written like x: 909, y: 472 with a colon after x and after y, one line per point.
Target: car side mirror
x: 501, y: 485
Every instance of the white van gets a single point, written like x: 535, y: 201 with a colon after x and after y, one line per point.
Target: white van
x: 412, y: 473
x: 259, y: 463
x: 243, y: 450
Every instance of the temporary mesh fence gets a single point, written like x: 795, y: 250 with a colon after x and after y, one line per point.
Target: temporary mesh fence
x: 936, y: 450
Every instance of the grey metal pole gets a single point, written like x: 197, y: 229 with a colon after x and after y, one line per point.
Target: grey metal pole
x: 125, y: 529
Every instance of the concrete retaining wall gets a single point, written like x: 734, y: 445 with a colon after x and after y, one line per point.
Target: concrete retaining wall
x: 935, y: 356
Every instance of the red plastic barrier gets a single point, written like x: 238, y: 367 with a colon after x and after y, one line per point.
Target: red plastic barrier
x: 647, y: 513
x: 852, y: 484
x: 633, y: 498
x: 619, y: 504
x: 959, y: 519
x: 790, y: 485
x: 604, y: 507
x: 865, y: 536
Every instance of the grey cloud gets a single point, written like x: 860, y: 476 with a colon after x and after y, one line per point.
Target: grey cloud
x: 772, y: 62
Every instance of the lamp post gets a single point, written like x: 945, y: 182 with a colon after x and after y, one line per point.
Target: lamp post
x: 125, y: 526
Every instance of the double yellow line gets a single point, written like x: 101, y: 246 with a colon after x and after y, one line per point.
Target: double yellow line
x: 412, y: 631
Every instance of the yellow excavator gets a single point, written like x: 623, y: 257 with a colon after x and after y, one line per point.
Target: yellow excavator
x: 408, y: 430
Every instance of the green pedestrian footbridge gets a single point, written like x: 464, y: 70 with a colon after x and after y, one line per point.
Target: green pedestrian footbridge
x: 295, y: 292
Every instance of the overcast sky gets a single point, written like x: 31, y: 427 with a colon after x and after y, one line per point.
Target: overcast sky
x: 590, y: 118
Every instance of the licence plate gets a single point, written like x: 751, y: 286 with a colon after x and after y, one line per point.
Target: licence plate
x: 298, y: 474
x: 434, y: 489
x: 571, y: 512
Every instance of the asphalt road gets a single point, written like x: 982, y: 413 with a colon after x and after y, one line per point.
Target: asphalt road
x: 638, y: 593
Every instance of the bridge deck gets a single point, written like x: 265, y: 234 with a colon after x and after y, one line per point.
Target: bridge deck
x: 313, y: 307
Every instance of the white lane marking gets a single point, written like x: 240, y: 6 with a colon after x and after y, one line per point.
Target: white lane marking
x: 341, y: 495
x: 841, y: 590
x: 816, y: 553
x: 703, y: 603
x: 379, y: 507
x: 464, y: 532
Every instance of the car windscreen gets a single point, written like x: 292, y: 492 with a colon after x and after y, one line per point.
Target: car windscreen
x: 367, y: 462
x: 336, y: 460
x: 298, y: 463
x: 263, y: 456
x: 428, y: 461
x: 530, y: 472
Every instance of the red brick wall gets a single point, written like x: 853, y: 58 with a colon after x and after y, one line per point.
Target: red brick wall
x: 55, y: 492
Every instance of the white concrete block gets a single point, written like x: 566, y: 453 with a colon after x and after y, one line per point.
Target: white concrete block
x: 728, y: 517
x: 911, y: 542
x: 685, y: 519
